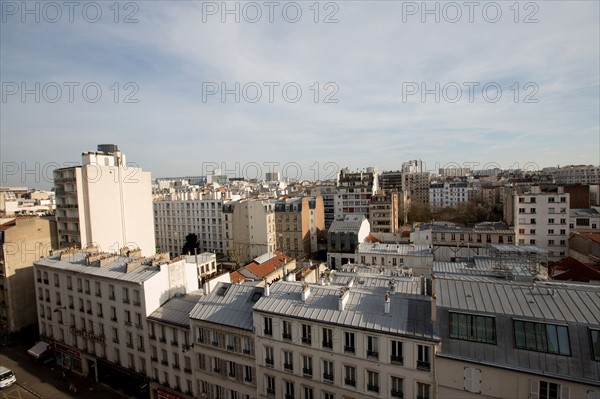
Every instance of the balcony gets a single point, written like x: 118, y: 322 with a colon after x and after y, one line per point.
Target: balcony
x: 269, y: 362
x: 307, y: 372
x: 351, y: 383
x: 174, y: 343
x: 306, y: 341
x: 328, y: 377
x: 349, y: 350
x: 372, y: 388
x: 162, y: 339
x: 373, y: 354
x: 287, y: 336
x: 327, y: 344
x: 423, y: 366
x: 397, y: 394
x: 153, y: 359
x: 288, y: 366
x: 164, y: 362
x: 397, y: 360
x: 187, y: 370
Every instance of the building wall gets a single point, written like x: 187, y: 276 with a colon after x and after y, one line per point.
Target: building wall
x: 29, y: 240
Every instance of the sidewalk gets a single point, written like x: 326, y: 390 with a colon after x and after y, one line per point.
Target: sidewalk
x: 47, y: 382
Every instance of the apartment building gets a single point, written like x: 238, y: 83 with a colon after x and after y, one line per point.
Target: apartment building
x: 298, y: 223
x: 418, y: 258
x: 320, y: 341
x: 542, y: 342
x: 541, y: 218
x: 451, y: 194
x: 104, y: 202
x: 248, y: 229
x: 354, y: 191
x: 328, y: 194
x: 575, y: 174
x: 92, y: 306
x: 224, y: 344
x: 416, y: 186
x: 584, y: 220
x: 451, y: 242
x: 23, y: 240
x: 343, y: 238
x: 170, y: 342
x: 384, y: 212
x: 179, y: 213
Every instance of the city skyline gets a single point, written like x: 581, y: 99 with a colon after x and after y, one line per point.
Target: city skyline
x: 378, y: 60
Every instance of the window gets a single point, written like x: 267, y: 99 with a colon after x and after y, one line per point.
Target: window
x: 268, y: 326
x: 372, y: 381
x: 230, y: 339
x: 372, y: 347
x: 423, y: 391
x: 423, y: 362
x: 246, y: 345
x: 396, y: 390
x: 248, y: 374
x: 306, y: 334
x: 472, y: 380
x: 327, y: 371
x: 547, y: 390
x: 111, y: 292
x: 349, y: 346
x: 307, y: 369
x: 289, y: 390
x: 327, y: 338
x: 125, y: 295
x: 308, y: 393
x: 199, y: 338
x: 595, y: 336
x: 350, y: 376
x: 288, y: 361
x: 214, y: 338
x: 542, y: 337
x: 270, y: 384
x: 328, y: 395
x: 287, y: 330
x: 269, y: 356
x: 97, y: 289
x: 473, y: 328
x: 231, y: 369
x: 113, y: 313
x: 396, y: 355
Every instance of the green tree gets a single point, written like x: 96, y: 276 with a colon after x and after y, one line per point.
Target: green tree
x: 191, y: 244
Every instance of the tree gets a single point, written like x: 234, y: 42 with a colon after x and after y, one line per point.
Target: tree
x: 191, y: 244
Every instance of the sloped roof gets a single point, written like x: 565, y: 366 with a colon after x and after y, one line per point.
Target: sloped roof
x: 570, y: 269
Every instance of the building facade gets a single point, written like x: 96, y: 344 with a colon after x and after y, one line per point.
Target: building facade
x: 104, y: 202
x: 384, y: 212
x: 298, y: 223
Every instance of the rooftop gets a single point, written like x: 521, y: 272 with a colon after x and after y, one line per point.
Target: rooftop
x: 394, y: 249
x: 176, y: 310
x: 409, y: 316
x: 228, y: 304
x: 350, y: 224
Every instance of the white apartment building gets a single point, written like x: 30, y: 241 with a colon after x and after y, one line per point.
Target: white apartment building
x: 320, y: 341
x: 575, y: 174
x: 451, y: 194
x: 542, y: 219
x: 415, y: 187
x: 225, y: 342
x: 584, y: 220
x: 354, y: 191
x: 93, y: 307
x: 179, y: 213
x: 104, y: 202
x: 248, y: 229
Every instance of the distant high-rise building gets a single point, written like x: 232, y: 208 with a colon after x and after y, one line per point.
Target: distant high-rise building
x: 354, y: 191
x: 104, y: 203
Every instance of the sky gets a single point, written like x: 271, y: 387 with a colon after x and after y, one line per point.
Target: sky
x: 304, y: 88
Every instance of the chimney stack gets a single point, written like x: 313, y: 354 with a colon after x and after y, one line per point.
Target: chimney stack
x: 386, y: 304
x: 344, y: 295
x: 267, y: 288
x: 305, y: 292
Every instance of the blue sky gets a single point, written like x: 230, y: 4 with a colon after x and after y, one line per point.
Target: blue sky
x: 370, y: 56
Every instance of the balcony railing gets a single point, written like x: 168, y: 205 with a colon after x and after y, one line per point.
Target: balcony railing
x: 306, y: 340
x: 349, y: 382
x: 349, y: 349
x: 397, y: 359
x: 307, y: 372
x: 372, y: 388
x: 397, y: 394
x: 424, y: 366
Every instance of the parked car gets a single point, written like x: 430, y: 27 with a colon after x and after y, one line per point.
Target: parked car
x: 7, y: 377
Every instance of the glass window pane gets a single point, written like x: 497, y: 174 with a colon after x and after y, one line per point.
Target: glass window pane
x: 595, y: 344
x: 520, y: 334
x: 563, y: 340
x: 552, y: 338
x: 530, y: 336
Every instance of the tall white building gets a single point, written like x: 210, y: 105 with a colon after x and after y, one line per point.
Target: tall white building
x: 354, y: 191
x: 542, y: 219
x: 451, y: 194
x: 179, y: 213
x: 104, y: 202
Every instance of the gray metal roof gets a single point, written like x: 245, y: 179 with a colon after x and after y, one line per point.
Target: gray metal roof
x: 349, y: 224
x: 394, y: 249
x: 575, y: 305
x: 228, y: 304
x: 76, y: 263
x: 586, y: 212
x: 544, y: 301
x: 524, y: 249
x: 410, y: 315
x: 177, y: 310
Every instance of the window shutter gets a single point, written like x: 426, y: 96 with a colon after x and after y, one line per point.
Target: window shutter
x: 468, y: 379
x: 223, y: 367
x: 534, y: 389
x: 239, y: 372
x: 237, y: 344
x: 564, y: 392
x: 221, y: 340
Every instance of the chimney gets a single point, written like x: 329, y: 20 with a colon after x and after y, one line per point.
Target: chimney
x: 392, y: 287
x: 344, y: 295
x: 386, y: 304
x: 305, y: 292
x: 267, y: 288
x: 196, y: 256
x: 422, y: 284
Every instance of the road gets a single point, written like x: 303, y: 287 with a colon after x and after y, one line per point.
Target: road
x: 38, y: 381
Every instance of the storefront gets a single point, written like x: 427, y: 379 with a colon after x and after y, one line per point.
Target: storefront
x: 67, y: 357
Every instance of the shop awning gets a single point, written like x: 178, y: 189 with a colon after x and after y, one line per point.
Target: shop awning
x: 38, y: 349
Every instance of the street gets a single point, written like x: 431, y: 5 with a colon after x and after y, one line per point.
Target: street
x: 39, y: 381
